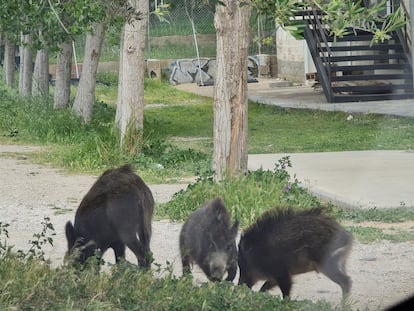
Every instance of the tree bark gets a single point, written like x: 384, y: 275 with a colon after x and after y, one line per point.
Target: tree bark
x: 63, y: 75
x: 9, y: 64
x: 230, y: 89
x: 129, y: 117
x: 85, y: 96
x: 40, y: 85
x: 26, y: 67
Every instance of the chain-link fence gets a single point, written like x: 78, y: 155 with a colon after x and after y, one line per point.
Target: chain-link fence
x: 187, y: 31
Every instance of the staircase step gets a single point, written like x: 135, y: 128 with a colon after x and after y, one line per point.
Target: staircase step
x: 370, y: 97
x: 375, y: 88
x: 374, y: 47
x: 371, y: 67
x: 353, y: 58
x: 352, y: 38
x: 398, y: 76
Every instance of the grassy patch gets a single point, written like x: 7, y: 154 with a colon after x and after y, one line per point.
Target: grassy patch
x: 246, y: 197
x: 93, y: 147
x: 274, y: 129
x: 126, y: 288
x: 386, y: 215
x: 123, y: 287
x: 373, y: 234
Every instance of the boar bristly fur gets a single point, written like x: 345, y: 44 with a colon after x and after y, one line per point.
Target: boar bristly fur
x: 285, y: 242
x: 207, y: 238
x: 117, y: 208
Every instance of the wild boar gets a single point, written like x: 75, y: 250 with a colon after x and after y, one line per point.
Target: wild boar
x: 208, y: 239
x: 117, y: 208
x: 285, y: 242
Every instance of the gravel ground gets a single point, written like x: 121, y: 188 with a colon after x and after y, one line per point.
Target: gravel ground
x: 382, y: 273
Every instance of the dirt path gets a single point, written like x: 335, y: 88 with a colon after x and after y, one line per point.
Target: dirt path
x: 382, y: 273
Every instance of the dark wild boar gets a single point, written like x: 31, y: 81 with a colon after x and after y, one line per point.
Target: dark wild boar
x: 117, y: 208
x: 208, y: 239
x: 284, y: 242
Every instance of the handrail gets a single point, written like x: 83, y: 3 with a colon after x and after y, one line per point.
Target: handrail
x: 318, y: 39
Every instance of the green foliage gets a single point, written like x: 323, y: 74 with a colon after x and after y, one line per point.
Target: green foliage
x: 178, y: 131
x: 45, y: 237
x: 4, y: 233
x: 126, y: 288
x: 246, y: 197
x: 342, y: 17
x: 93, y: 147
x: 107, y: 78
x: 29, y: 283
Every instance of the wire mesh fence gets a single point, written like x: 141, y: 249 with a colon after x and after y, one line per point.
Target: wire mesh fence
x: 188, y: 28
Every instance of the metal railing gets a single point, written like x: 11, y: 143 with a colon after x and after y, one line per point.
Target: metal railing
x: 315, y: 33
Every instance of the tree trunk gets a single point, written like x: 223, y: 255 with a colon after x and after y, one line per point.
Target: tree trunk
x: 40, y: 86
x: 129, y: 117
x: 85, y: 96
x: 9, y: 64
x: 26, y: 67
x: 63, y: 75
x: 230, y: 89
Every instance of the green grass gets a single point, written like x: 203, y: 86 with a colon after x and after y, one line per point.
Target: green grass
x: 373, y: 234
x: 178, y: 143
x: 246, y: 196
x: 32, y: 285
x: 172, y: 50
x: 386, y: 215
x: 93, y: 147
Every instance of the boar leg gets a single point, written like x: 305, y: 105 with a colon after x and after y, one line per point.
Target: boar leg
x: 332, y: 271
x: 285, y: 284
x: 185, y: 260
x: 231, y: 272
x: 119, y: 249
x: 136, y: 247
x: 269, y: 284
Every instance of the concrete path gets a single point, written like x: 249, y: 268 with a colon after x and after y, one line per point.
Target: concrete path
x: 267, y: 91
x: 362, y: 179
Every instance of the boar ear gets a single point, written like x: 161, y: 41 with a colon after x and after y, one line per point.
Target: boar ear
x: 70, y: 235
x: 234, y: 229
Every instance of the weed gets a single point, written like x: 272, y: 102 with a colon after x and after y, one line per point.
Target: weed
x: 4, y: 248
x: 246, y: 196
x: 40, y: 240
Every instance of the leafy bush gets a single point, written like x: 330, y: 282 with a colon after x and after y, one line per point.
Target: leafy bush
x: 246, y: 196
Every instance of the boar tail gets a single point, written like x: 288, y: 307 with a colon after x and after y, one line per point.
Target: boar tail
x: 70, y: 235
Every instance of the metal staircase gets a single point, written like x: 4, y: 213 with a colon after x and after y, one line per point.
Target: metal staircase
x: 352, y: 69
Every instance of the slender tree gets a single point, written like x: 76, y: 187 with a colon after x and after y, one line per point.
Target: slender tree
x: 85, y: 96
x: 231, y: 21
x: 26, y: 66
x: 40, y: 83
x: 9, y: 64
x: 63, y: 75
x: 129, y: 117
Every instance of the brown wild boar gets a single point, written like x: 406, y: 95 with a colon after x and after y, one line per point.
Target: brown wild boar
x: 208, y: 239
x: 117, y: 208
x: 285, y: 242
